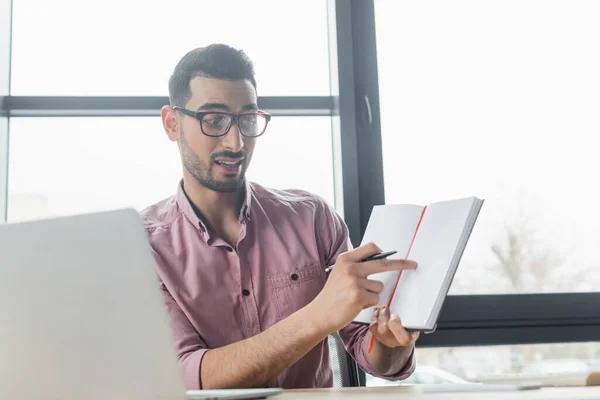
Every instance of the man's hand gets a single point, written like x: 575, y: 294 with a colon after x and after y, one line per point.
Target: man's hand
x: 389, y: 330
x: 348, y: 289
x: 393, y: 346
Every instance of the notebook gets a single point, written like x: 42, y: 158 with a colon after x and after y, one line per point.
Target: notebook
x: 435, y: 236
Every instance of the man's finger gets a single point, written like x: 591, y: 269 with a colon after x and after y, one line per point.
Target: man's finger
x: 361, y: 252
x: 377, y: 266
x: 384, y: 317
x: 374, y: 319
x: 400, y: 333
x: 371, y: 285
x: 369, y: 299
x: 375, y: 316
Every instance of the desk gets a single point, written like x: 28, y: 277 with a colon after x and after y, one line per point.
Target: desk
x: 399, y: 392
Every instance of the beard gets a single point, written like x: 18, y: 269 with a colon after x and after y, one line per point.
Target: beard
x: 203, y: 173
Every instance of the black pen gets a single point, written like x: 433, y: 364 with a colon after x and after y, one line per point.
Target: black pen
x: 376, y: 256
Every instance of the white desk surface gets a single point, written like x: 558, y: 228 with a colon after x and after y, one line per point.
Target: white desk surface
x: 399, y: 392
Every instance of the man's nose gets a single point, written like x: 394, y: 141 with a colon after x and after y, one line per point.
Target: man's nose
x: 233, y: 140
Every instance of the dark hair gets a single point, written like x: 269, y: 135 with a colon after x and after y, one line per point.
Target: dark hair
x: 218, y: 61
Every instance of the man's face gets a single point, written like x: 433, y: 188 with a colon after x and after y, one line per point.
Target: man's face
x: 218, y: 163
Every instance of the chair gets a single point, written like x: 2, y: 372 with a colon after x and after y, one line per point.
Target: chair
x: 339, y: 361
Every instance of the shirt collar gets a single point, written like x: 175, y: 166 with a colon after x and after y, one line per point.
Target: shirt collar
x: 195, y: 216
x: 245, y: 210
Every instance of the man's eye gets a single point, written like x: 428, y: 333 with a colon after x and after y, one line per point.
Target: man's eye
x: 249, y: 119
x: 214, y: 120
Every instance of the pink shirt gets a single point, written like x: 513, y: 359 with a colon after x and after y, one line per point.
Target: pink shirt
x: 216, y: 295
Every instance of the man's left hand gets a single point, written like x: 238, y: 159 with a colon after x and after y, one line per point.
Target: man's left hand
x: 389, y: 330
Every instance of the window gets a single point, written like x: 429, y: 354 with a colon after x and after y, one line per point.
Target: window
x: 63, y: 166
x: 3, y: 166
x: 130, y: 47
x: 498, y: 100
x: 296, y: 153
x: 5, y: 6
x: 453, y: 365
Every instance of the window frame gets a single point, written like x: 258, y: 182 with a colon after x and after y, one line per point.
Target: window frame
x: 464, y: 320
x: 145, y: 106
x: 514, y: 319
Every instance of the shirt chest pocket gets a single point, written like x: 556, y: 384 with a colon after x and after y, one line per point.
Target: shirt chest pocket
x: 293, y: 290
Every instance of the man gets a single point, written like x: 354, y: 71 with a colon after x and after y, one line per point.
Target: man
x: 242, y: 267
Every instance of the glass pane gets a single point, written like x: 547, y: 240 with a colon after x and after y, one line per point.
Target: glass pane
x: 62, y: 166
x: 3, y: 167
x: 130, y: 47
x: 296, y: 153
x: 498, y: 100
x: 4, y: 46
x: 486, y: 364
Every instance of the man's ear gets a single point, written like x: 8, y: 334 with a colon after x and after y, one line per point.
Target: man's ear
x: 170, y: 120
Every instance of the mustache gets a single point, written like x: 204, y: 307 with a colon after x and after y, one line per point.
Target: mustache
x: 228, y: 154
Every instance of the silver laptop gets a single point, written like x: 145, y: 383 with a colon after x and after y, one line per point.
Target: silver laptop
x: 82, y: 316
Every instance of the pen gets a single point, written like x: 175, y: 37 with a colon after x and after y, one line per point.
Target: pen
x: 376, y: 256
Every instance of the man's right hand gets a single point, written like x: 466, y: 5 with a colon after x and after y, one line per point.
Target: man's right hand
x: 348, y: 289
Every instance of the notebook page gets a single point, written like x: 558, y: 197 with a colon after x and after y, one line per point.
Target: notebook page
x: 391, y: 227
x: 457, y: 256
x: 434, y: 248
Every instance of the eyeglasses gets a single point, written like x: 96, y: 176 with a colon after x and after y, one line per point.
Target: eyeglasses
x: 215, y: 124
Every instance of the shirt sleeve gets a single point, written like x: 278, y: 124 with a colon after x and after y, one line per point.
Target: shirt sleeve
x: 356, y: 341
x: 334, y: 235
x: 189, y: 345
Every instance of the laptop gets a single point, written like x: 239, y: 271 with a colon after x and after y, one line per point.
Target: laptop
x: 82, y: 315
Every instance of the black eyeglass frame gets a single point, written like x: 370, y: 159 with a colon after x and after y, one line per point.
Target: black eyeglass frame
x: 234, y: 118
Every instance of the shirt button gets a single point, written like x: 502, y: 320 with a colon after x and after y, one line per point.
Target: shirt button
x: 246, y: 292
x: 294, y: 277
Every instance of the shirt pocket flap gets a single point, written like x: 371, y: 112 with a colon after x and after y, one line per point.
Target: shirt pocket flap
x: 312, y: 271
